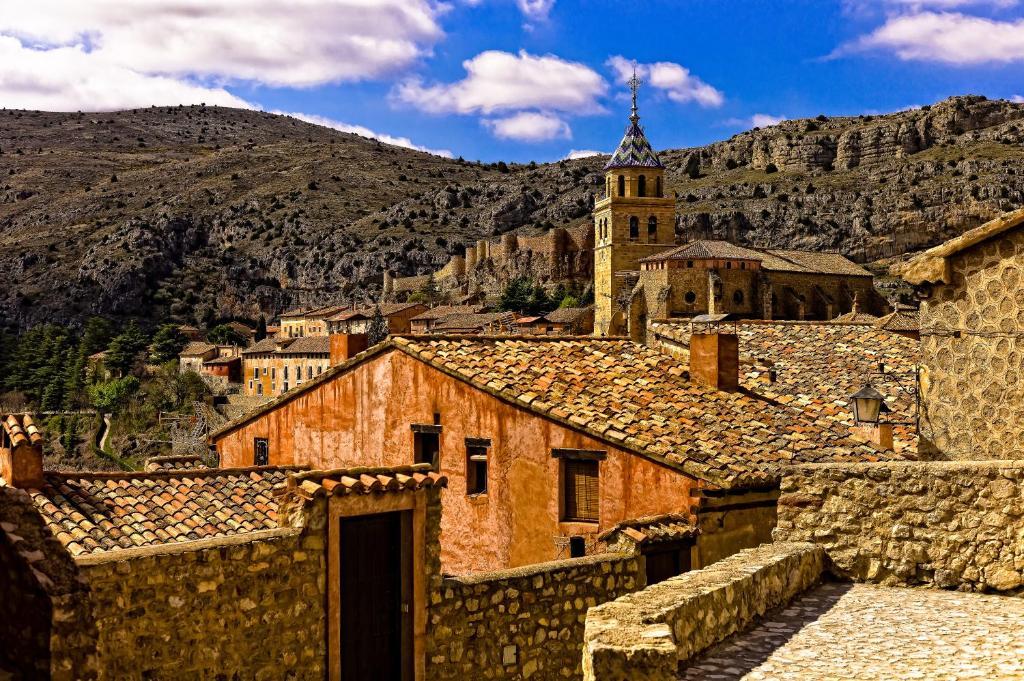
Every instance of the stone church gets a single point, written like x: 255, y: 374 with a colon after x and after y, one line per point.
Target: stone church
x: 640, y: 272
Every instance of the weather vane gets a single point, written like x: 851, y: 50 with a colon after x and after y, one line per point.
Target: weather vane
x: 634, y: 85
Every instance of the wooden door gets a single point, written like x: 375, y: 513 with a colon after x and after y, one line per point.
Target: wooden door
x: 667, y: 560
x: 376, y: 597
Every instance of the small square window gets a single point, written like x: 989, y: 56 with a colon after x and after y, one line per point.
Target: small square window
x: 426, y: 442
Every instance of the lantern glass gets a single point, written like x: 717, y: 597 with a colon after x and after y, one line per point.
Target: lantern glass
x: 868, y: 404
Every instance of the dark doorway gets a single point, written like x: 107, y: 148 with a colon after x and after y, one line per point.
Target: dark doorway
x: 376, y: 597
x: 667, y: 560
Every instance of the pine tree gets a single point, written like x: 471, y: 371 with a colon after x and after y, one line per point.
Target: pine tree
x: 125, y: 348
x: 261, y: 328
x: 378, y: 330
x: 168, y: 341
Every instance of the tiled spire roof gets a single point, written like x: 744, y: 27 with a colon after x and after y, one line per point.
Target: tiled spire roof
x: 634, y: 150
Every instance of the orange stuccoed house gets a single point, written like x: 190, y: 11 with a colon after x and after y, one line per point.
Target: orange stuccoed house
x: 546, y: 442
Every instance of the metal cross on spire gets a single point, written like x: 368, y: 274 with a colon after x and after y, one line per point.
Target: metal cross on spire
x: 634, y: 85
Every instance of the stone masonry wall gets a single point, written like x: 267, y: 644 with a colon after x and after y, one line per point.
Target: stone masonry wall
x: 646, y: 635
x: 524, y: 623
x: 46, y: 627
x: 249, y: 606
x: 944, y: 524
x: 972, y: 353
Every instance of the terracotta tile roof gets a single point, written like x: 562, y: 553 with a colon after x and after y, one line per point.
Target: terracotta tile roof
x: 224, y: 360
x: 706, y: 250
x: 345, y: 481
x: 567, y: 315
x: 855, y: 318
x: 174, y: 462
x: 480, y: 321
x: 442, y: 311
x: 307, y: 345
x: 900, y: 320
x: 268, y: 344
x: 21, y: 429
x: 814, y: 262
x: 654, y: 529
x: 771, y: 259
x: 818, y: 365
x: 639, y: 399
x: 388, y: 309
x: 92, y: 512
x: 346, y: 315
x: 197, y: 349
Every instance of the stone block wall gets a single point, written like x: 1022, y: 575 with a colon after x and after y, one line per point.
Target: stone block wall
x: 972, y: 352
x: 249, y: 606
x: 945, y: 524
x: 46, y: 629
x: 524, y: 623
x: 646, y: 635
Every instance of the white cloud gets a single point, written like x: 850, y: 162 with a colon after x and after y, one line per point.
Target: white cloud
x: 758, y: 120
x: 501, y: 81
x: 535, y: 10
x: 676, y: 81
x: 948, y: 37
x: 298, y: 44
x: 583, y: 153
x: 72, y: 79
x: 365, y: 132
x: 761, y: 120
x: 529, y: 126
x: 1017, y: 99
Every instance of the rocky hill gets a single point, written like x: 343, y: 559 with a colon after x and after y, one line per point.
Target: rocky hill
x: 198, y: 213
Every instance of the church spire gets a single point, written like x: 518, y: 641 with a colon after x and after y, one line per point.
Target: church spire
x: 634, y: 85
x: 634, y: 150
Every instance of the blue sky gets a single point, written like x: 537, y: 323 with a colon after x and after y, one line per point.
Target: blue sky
x: 516, y: 80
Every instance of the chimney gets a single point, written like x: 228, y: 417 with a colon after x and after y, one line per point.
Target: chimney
x: 878, y: 434
x: 21, y: 452
x: 715, y: 360
x: 346, y: 345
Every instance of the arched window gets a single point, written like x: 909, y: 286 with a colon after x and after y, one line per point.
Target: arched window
x: 657, y: 187
x: 652, y: 228
x: 641, y: 186
x: 622, y: 185
x: 634, y: 228
x: 737, y: 297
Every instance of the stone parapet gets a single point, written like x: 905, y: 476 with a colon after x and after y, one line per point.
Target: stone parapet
x: 209, y: 608
x: 644, y: 636
x: 523, y: 623
x: 944, y: 524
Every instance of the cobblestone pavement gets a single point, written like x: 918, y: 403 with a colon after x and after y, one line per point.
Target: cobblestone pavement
x: 871, y: 633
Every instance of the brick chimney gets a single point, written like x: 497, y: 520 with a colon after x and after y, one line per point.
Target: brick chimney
x: 21, y: 452
x: 715, y: 360
x: 346, y: 345
x: 878, y: 434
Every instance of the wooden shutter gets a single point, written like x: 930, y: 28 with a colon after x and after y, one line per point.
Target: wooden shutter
x: 581, y: 490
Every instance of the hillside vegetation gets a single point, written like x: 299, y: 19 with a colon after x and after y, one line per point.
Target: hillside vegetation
x: 196, y: 214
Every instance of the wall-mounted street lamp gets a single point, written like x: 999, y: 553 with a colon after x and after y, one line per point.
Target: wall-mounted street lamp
x: 868, y: 405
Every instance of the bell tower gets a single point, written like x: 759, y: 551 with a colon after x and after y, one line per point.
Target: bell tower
x: 635, y: 219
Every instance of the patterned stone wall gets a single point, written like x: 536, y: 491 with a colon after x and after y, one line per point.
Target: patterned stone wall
x: 250, y: 606
x: 525, y: 623
x: 945, y: 524
x: 646, y: 635
x: 973, y: 385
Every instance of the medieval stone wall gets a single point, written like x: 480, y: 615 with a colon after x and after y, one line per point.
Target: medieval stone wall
x: 249, y: 606
x: 562, y: 254
x: 972, y: 352
x: 525, y: 623
x: 944, y: 524
x: 840, y: 289
x: 647, y: 634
